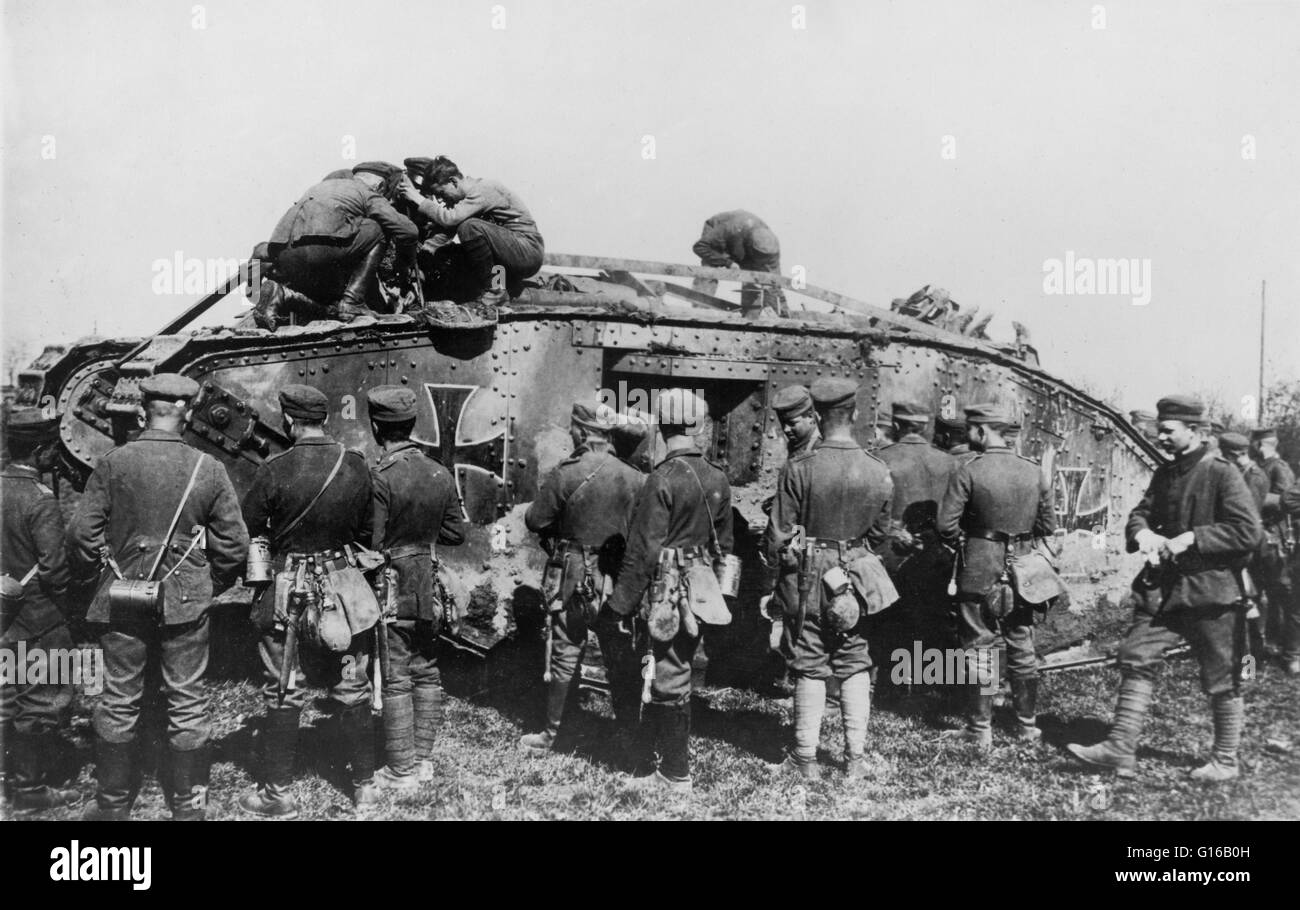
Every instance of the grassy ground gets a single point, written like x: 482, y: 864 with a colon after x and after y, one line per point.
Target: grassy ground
x: 738, y: 738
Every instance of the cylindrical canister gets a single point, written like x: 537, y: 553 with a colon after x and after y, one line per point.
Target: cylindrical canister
x: 135, y: 596
x: 258, y: 569
x: 728, y: 571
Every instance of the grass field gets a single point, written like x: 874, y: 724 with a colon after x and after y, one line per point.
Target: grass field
x: 737, y: 741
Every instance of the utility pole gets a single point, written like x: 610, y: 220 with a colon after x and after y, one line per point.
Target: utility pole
x: 1259, y: 413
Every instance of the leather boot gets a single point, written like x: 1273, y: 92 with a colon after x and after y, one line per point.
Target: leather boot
x: 427, y: 702
x: 399, y: 745
x: 114, y: 763
x: 557, y: 693
x: 1118, y: 751
x: 353, y: 301
x: 1024, y: 696
x: 30, y: 757
x: 673, y: 743
x: 279, y: 745
x: 357, y: 730
x: 478, y: 255
x: 1229, y: 716
x: 190, y: 784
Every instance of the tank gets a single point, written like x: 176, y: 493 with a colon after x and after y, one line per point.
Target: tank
x: 494, y: 402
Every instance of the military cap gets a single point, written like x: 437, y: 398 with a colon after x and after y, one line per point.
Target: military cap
x: 830, y: 391
x: 1263, y: 433
x: 949, y: 423
x: 31, y: 424
x: 170, y: 386
x: 1187, y: 408
x: 341, y: 174
x: 1217, y: 427
x: 989, y: 412
x: 391, y: 404
x: 910, y: 412
x: 680, y: 408
x: 1234, y: 443
x: 304, y: 402
x: 589, y: 416
x: 382, y: 168
x: 792, y: 401
x: 884, y: 419
x: 764, y: 241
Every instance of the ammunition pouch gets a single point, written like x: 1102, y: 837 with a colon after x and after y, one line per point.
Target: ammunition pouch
x: 343, y: 604
x: 573, y: 580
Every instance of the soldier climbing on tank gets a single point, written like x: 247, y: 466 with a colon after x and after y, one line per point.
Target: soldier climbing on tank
x: 741, y: 240
x: 325, y: 252
x: 499, y: 244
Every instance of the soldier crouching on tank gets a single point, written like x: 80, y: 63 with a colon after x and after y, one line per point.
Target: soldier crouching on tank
x: 581, y: 513
x: 415, y: 507
x: 995, y: 509
x: 156, y: 511
x: 831, y: 511
x: 325, y: 251
x: 1197, y: 527
x: 35, y: 600
x: 741, y: 240
x: 680, y: 525
x: 311, y: 503
x: 498, y: 237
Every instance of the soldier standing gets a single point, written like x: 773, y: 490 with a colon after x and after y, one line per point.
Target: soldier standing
x: 1283, y: 617
x: 581, y: 513
x: 151, y: 509
x: 682, y: 517
x: 832, y: 507
x: 999, y: 504
x: 1197, y: 526
x: 312, y: 502
x: 1290, y: 504
x: 794, y: 410
x: 415, y: 507
x: 36, y: 580
x: 1235, y: 448
x: 917, y: 560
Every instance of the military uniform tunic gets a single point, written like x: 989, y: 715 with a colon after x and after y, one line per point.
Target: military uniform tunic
x: 838, y: 493
x: 282, y: 488
x: 685, y: 502
x: 1276, y: 562
x: 1000, y: 494
x: 1203, y: 492
x: 585, y: 504
x: 33, y: 537
x: 128, y: 505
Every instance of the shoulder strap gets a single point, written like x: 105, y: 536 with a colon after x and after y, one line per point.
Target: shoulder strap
x: 338, y: 463
x: 704, y: 498
x: 189, y: 487
x: 576, y: 490
x: 31, y: 573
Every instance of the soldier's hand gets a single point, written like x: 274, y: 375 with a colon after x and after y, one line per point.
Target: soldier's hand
x: 1179, y: 545
x: 612, y: 623
x: 763, y: 603
x: 407, y: 189
x: 774, y: 636
x: 1148, y: 541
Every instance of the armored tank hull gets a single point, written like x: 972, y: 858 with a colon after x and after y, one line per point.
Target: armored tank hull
x: 494, y: 402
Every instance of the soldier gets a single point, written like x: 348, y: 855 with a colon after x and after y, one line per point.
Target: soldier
x: 326, y: 250
x: 312, y: 502
x: 1197, y: 526
x: 581, y: 512
x: 831, y: 509
x: 1290, y: 504
x: 948, y: 433
x: 683, y: 514
x: 36, y: 582
x: 882, y: 432
x: 415, y: 507
x: 1283, y: 615
x: 918, y: 562
x: 151, y: 509
x: 492, y: 223
x: 794, y: 410
x: 1235, y: 448
x: 740, y: 240
x: 1145, y: 423
x: 999, y: 503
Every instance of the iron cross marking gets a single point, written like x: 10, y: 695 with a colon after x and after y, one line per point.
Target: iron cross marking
x: 456, y: 454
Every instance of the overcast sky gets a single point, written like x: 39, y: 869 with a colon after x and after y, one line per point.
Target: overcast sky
x: 889, y: 145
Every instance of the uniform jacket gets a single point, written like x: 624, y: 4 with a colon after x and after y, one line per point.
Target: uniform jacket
x: 33, y: 533
x: 1202, y: 492
x: 838, y: 491
x: 488, y: 200
x: 332, y: 212
x: 1257, y: 483
x: 994, y: 490
x: 592, y: 514
x: 129, y: 502
x: 729, y: 237
x: 669, y: 511
x: 1280, y: 479
x: 920, y: 473
x: 415, y: 506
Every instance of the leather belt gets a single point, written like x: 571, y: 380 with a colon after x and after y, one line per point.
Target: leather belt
x: 827, y: 543
x: 1001, y: 536
x: 409, y: 549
